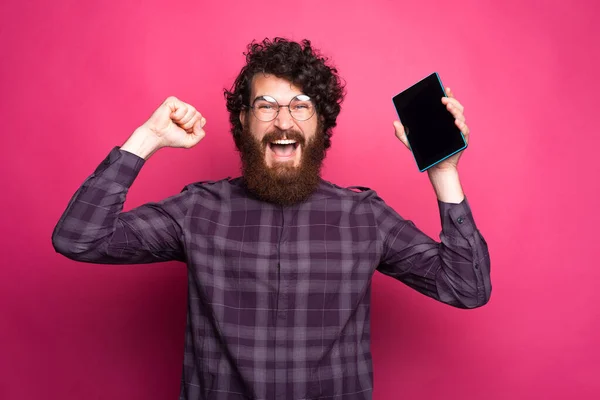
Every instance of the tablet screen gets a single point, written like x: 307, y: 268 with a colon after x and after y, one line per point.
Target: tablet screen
x: 430, y: 127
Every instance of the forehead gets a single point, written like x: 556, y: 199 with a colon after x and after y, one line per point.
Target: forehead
x: 280, y: 89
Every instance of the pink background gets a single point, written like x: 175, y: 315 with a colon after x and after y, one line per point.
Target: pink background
x: 78, y: 77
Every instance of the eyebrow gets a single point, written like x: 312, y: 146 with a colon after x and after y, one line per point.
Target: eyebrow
x: 267, y: 95
x: 263, y: 96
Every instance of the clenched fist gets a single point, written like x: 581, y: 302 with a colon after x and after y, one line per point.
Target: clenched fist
x: 173, y: 124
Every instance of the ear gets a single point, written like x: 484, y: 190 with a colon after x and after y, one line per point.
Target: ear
x: 243, y: 117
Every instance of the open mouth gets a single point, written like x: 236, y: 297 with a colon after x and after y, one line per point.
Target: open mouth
x: 285, y: 148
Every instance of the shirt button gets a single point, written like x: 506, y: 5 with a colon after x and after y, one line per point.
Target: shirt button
x: 460, y: 220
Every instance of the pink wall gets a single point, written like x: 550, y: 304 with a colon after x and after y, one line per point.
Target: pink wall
x: 76, y: 78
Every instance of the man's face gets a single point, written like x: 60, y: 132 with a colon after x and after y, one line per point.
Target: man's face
x: 282, y: 158
x: 284, y: 126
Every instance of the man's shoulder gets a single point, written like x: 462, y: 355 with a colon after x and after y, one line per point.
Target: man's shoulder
x: 202, y: 184
x: 353, y: 192
x: 224, y: 187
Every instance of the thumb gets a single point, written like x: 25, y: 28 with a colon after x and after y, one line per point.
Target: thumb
x: 400, y: 133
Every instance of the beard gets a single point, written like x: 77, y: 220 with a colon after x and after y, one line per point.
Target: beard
x: 283, y: 183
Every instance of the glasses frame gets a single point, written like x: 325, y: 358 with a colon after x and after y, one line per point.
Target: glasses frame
x: 279, y: 106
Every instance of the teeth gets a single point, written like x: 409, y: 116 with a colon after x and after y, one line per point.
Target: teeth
x: 287, y: 141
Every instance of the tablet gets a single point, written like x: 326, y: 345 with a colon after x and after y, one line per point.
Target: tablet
x: 430, y: 129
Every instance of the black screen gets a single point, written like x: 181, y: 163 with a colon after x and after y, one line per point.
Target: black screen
x: 430, y: 127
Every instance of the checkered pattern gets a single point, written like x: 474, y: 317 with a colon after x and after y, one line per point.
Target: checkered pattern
x: 279, y: 297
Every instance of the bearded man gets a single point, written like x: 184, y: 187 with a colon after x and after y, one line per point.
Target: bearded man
x: 279, y: 260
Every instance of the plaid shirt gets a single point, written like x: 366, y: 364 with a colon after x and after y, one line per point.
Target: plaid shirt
x: 279, y: 297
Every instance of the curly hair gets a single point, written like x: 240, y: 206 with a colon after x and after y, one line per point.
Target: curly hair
x: 299, y: 63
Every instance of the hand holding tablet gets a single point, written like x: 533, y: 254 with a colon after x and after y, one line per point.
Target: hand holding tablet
x: 435, y: 129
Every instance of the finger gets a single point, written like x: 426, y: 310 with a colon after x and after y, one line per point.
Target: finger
x: 401, y: 133
x: 190, y: 123
x: 179, y: 113
x: 452, y: 101
x: 463, y: 127
x: 194, y: 137
x: 190, y: 117
x: 178, y: 108
x: 174, y: 104
x: 188, y: 126
x: 198, y: 128
x: 456, y: 112
x: 449, y: 93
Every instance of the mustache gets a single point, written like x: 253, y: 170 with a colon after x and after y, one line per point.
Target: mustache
x: 279, y: 135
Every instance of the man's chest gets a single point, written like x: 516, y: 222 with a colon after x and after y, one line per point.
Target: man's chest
x: 324, y: 248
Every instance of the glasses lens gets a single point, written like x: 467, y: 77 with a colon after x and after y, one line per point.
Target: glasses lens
x: 265, y: 109
x: 302, y: 107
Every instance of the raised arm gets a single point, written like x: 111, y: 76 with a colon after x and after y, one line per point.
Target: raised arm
x: 93, y: 227
x: 455, y: 270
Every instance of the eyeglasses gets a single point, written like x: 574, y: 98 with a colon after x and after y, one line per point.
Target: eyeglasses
x: 266, y: 108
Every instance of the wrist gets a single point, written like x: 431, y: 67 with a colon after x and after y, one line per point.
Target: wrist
x: 142, y: 143
x: 446, y: 184
x: 444, y: 173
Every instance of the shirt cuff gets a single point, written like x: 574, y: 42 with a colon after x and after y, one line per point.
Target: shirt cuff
x: 120, y: 166
x: 457, y: 217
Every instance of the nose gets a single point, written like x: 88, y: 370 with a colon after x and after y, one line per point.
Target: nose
x: 284, y: 120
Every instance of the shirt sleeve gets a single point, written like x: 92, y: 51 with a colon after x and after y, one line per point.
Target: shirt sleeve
x: 94, y: 229
x: 455, y: 270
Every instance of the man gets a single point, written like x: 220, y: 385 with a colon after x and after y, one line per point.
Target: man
x: 279, y: 261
